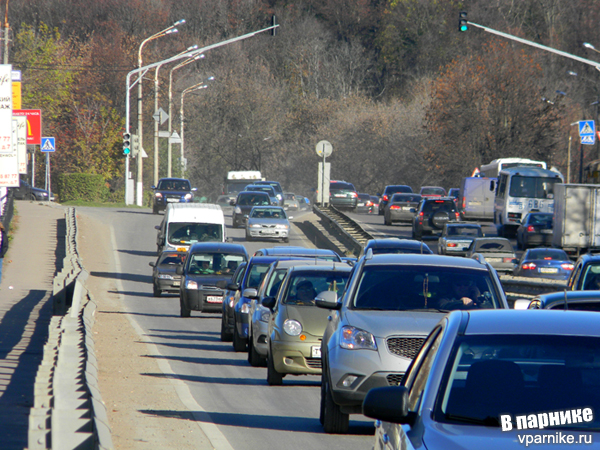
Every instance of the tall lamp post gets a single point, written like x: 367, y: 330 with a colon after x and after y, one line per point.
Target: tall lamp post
x: 178, y: 66
x: 182, y: 115
x: 156, y: 122
x: 169, y: 30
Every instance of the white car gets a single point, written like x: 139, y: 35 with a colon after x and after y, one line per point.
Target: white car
x: 268, y: 222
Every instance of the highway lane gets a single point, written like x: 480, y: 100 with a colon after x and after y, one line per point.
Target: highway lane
x: 221, y: 388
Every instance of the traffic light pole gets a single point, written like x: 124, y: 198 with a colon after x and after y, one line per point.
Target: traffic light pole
x: 141, y: 71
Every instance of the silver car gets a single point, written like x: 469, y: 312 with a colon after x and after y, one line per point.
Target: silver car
x: 498, y: 380
x: 499, y: 252
x: 290, y: 202
x: 456, y: 238
x: 391, y: 304
x: 268, y: 222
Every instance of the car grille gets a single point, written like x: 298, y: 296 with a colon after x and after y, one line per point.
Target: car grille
x: 407, y: 347
x: 173, y: 196
x: 394, y: 379
x: 313, y: 363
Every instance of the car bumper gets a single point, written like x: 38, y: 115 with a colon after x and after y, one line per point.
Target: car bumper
x: 242, y: 323
x: 297, y: 357
x: 263, y: 234
x: 402, y: 216
x: 168, y: 285
x: 260, y: 330
x: 538, y: 239
x: 343, y: 203
x: 204, y: 300
x: 371, y: 369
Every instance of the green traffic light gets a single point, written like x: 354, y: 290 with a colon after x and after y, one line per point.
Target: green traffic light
x: 126, y: 150
x: 463, y: 24
x: 463, y: 27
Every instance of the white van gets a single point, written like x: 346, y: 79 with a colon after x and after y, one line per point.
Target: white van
x: 186, y: 223
x: 476, y: 198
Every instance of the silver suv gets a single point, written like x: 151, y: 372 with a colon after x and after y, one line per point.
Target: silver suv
x: 390, y: 305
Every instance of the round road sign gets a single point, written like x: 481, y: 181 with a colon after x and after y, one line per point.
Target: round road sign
x: 324, y: 148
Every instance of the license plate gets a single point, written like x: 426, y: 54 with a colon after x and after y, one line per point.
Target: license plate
x: 548, y: 270
x: 494, y: 259
x: 315, y: 352
x: 360, y: 204
x: 474, y: 203
x: 173, y: 200
x: 214, y: 299
x: 176, y: 283
x: 546, y: 231
x: 267, y: 232
x: 406, y: 208
x: 340, y: 195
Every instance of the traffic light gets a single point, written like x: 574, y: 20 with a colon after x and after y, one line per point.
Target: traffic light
x: 126, y: 143
x: 463, y: 24
x: 135, y: 144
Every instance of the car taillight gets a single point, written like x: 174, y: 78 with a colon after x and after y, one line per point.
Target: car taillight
x: 384, y: 198
x: 457, y: 215
x: 527, y: 266
x: 464, y: 202
x: 421, y: 214
x: 394, y: 207
x: 369, y: 203
x: 353, y: 194
x: 567, y: 266
x: 451, y: 244
x: 530, y: 229
x: 507, y: 260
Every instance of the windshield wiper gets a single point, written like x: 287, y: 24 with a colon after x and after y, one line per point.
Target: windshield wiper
x: 488, y: 421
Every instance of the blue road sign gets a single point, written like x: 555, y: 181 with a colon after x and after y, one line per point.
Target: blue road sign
x: 48, y: 144
x: 587, y: 132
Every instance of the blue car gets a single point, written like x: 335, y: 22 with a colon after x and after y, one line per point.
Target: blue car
x: 551, y: 263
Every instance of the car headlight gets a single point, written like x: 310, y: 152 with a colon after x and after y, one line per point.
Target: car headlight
x: 191, y: 284
x: 292, y: 327
x: 255, y: 225
x: 353, y: 338
x: 237, y: 210
x: 265, y: 316
x: 188, y: 197
x: 282, y: 227
x: 165, y: 276
x: 245, y: 308
x: 158, y: 195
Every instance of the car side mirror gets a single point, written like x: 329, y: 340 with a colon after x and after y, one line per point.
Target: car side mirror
x: 290, y: 217
x: 389, y: 404
x: 179, y: 270
x: 157, y: 227
x: 250, y: 293
x: 222, y: 284
x: 151, y: 264
x: 492, y: 185
x: 268, y: 302
x: 233, y: 287
x: 327, y: 300
x: 521, y: 303
x: 232, y: 202
x: 194, y: 189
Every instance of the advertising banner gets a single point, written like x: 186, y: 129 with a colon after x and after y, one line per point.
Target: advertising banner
x: 9, y: 168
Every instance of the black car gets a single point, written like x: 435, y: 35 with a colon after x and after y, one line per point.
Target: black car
x: 207, y: 263
x: 244, y: 203
x: 389, y: 191
x: 432, y: 214
x: 231, y: 288
x: 343, y: 195
x: 27, y: 192
x: 395, y: 245
x: 164, y: 276
x: 171, y: 190
x: 364, y: 204
x: 535, y: 230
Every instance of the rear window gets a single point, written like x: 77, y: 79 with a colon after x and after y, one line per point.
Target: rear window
x: 439, y: 205
x: 414, y: 198
x: 433, y: 191
x: 540, y: 219
x: 393, y: 189
x: 494, y: 246
x: 341, y: 187
x: 555, y: 254
x: 465, y: 231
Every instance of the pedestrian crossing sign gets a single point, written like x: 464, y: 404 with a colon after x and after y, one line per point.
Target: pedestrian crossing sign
x: 48, y: 144
x: 587, y: 132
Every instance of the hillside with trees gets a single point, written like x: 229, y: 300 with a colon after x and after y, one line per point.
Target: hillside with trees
x: 401, y: 94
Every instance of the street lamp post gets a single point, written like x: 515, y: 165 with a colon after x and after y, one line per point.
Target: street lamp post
x: 156, y: 122
x: 169, y: 30
x: 178, y: 66
x: 181, y: 118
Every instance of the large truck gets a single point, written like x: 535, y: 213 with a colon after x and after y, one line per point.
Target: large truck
x: 576, y: 226
x: 237, y: 180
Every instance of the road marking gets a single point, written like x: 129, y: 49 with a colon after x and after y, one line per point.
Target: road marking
x: 210, y: 430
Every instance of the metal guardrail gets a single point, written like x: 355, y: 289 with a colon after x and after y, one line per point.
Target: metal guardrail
x: 68, y: 411
x: 356, y: 237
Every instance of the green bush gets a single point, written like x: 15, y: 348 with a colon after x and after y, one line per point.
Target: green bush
x: 82, y: 186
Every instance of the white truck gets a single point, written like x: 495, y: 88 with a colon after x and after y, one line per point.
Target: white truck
x: 576, y: 226
x: 237, y: 180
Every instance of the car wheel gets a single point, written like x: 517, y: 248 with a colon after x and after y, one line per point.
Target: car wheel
x: 323, y: 384
x: 334, y: 420
x: 239, y: 345
x: 249, y: 238
x: 386, y: 221
x: 33, y: 197
x: 254, y: 358
x: 286, y: 240
x: 155, y: 290
x: 274, y: 378
x: 185, y: 311
x: 225, y: 335
x: 154, y: 210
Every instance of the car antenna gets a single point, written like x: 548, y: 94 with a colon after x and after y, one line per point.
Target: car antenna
x: 566, y: 305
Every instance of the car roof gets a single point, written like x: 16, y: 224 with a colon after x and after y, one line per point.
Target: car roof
x: 229, y: 247
x: 528, y: 322
x: 325, y: 266
x: 393, y: 243
x: 289, y: 250
x: 247, y: 193
x: 462, y: 224
x: 424, y: 260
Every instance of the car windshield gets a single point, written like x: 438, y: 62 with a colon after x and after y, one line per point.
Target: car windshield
x: 188, y: 233
x: 492, y: 375
x: 268, y: 213
x: 547, y: 253
x: 256, y: 273
x: 465, y: 231
x: 399, y: 288
x: 171, y: 258
x: 253, y: 200
x: 494, y: 246
x: 532, y: 187
x: 304, y: 287
x: 174, y: 185
x: 289, y: 197
x: 204, y: 263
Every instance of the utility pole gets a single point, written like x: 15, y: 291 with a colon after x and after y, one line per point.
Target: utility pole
x: 6, y: 34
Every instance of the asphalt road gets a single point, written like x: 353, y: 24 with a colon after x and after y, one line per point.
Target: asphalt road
x: 224, y: 388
